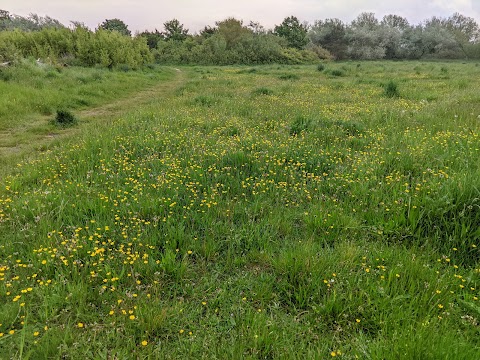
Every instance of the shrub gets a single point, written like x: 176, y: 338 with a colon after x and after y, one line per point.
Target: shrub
x: 5, y: 74
x: 337, y: 73
x: 391, y: 89
x: 320, y: 67
x: 65, y: 118
x: 321, y: 52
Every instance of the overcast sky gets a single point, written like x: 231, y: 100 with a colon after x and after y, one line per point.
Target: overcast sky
x: 194, y: 14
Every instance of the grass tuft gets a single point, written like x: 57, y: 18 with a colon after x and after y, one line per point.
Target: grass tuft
x: 289, y: 77
x: 65, y: 118
x: 391, y: 90
x: 337, y: 73
x: 299, y: 125
x: 262, y: 91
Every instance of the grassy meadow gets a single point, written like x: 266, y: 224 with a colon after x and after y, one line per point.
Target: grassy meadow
x: 270, y: 212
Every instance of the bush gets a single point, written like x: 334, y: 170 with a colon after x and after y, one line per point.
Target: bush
x: 391, y: 89
x: 5, y: 74
x: 65, y: 118
x: 75, y: 47
x: 320, y: 67
x: 321, y: 52
x: 337, y: 73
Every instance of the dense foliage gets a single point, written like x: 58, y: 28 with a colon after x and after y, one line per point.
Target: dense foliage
x: 230, y: 41
x: 75, y: 47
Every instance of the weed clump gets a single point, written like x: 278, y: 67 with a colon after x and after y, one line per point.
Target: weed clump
x: 204, y: 101
x: 350, y: 128
x: 247, y: 71
x: 391, y: 90
x: 5, y: 75
x: 289, y: 77
x: 337, y: 73
x: 299, y: 125
x: 320, y: 67
x: 262, y: 91
x: 65, y: 118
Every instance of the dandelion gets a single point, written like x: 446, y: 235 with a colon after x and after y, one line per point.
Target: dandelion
x: 144, y: 343
x: 80, y: 325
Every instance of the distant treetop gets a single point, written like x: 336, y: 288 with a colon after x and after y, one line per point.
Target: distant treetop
x: 115, y: 25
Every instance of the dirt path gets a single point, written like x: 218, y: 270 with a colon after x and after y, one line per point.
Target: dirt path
x: 25, y: 141
x: 142, y: 97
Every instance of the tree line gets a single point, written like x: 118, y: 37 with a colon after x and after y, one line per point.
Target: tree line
x: 231, y: 41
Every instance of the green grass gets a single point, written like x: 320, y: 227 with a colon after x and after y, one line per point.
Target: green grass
x: 32, y: 96
x: 240, y: 215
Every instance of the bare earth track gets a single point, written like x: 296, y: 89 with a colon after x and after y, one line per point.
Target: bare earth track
x: 20, y: 142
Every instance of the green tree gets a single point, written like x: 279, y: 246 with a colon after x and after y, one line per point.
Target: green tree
x: 208, y: 31
x: 4, y: 19
x: 430, y: 39
x: 365, y: 20
x: 116, y: 25
x: 44, y: 22
x: 365, y: 38
x: 394, y: 32
x: 257, y: 28
x: 174, y: 31
x: 152, y: 37
x: 294, y: 32
x: 4, y: 15
x: 232, y: 30
x: 330, y: 35
x: 395, y: 22
x: 465, y: 30
x: 32, y: 22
